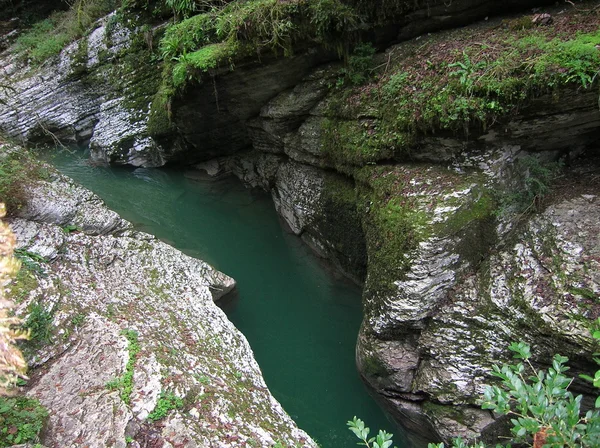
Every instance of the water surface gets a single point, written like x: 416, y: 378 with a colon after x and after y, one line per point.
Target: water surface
x: 300, y: 320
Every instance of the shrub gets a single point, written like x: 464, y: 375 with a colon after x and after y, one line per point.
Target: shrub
x: 12, y: 364
x: 39, y: 324
x: 544, y: 411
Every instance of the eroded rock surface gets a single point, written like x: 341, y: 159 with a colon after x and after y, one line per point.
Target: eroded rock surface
x: 96, y: 92
x: 107, y: 285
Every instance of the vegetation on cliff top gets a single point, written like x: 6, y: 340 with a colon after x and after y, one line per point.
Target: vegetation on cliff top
x: 463, y: 81
x: 48, y: 37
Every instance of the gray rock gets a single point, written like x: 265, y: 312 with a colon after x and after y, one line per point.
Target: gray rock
x: 55, y: 102
x: 109, y: 279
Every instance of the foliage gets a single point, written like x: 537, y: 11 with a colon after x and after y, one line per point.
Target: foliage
x: 21, y: 420
x: 535, y: 183
x: 182, y: 7
x: 125, y: 382
x: 541, y: 403
x: 18, y: 170
x: 48, y: 37
x: 382, y: 440
x: 252, y: 26
x: 543, y: 408
x: 457, y: 86
x: 465, y: 70
x: 12, y: 364
x: 39, y: 324
x: 545, y: 413
x: 166, y: 402
x: 360, y: 64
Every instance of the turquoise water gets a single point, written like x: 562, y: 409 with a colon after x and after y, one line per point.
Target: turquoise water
x: 300, y: 319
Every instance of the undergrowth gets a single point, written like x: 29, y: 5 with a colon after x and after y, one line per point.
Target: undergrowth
x: 47, y: 38
x: 450, y: 84
x: 39, y: 323
x: 18, y: 170
x: 124, y: 383
x: 21, y: 420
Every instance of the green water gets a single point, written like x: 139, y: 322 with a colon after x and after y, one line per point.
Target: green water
x: 300, y: 320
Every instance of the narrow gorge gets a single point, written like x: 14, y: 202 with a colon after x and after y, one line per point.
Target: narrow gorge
x: 442, y: 155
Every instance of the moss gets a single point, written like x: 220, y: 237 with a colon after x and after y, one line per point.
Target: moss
x: 340, y: 221
x: 482, y: 208
x: 440, y: 411
x: 372, y: 367
x: 356, y: 142
x: 447, y: 84
x: 586, y: 293
x: 193, y: 65
x: 25, y: 282
x: 394, y: 230
x: 79, y: 61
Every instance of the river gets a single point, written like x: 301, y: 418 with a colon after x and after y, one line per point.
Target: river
x: 300, y: 318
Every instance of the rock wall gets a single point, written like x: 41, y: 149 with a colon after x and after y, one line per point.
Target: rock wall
x: 104, y: 281
x: 449, y: 278
x: 96, y: 92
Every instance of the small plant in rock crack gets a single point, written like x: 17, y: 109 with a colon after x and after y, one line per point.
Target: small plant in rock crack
x: 168, y: 401
x: 124, y: 383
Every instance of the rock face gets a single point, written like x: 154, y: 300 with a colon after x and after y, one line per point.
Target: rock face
x: 96, y: 92
x: 124, y: 303
x: 451, y: 274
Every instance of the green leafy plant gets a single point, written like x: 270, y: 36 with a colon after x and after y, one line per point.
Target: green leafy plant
x: 167, y: 401
x: 78, y: 319
x: 21, y: 420
x: 71, y: 228
x: 39, y: 323
x: 541, y: 404
x: 183, y: 8
x: 381, y: 440
x: 465, y: 70
x: 360, y: 64
x: 544, y: 413
x: 536, y: 181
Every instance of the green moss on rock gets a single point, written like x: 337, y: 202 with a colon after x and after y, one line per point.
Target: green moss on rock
x: 340, y: 221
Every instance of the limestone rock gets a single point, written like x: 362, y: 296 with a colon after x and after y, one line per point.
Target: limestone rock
x: 538, y: 287
x: 110, y: 279
x: 80, y: 97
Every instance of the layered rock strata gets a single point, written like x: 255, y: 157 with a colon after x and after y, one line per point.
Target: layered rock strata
x: 124, y: 304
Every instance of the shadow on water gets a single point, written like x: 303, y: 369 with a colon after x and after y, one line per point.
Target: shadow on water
x: 301, y: 321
